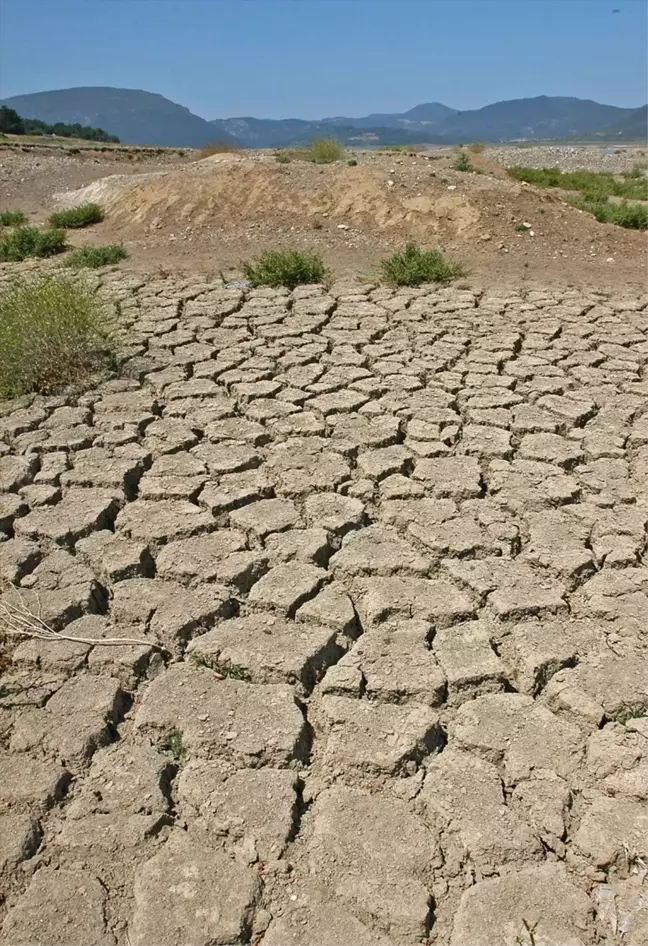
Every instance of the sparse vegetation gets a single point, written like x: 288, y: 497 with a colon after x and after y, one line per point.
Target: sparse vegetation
x: 54, y: 331
x: 173, y: 744
x: 76, y: 217
x: 12, y: 218
x: 282, y: 158
x: 402, y: 149
x: 594, y: 184
x: 463, y: 162
x: 352, y: 162
x: 288, y: 268
x: 325, y: 151
x: 477, y: 147
x: 630, y: 216
x: 217, y: 147
x: 530, y: 930
x: 92, y: 257
x: 26, y: 242
x: 415, y: 266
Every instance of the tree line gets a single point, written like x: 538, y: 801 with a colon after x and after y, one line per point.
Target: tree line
x: 11, y: 123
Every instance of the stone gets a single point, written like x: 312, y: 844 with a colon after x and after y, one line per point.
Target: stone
x: 512, y: 730
x: 333, y: 512
x: 395, y: 599
x: 377, y: 550
x: 214, y: 900
x: 390, y: 665
x: 268, y: 515
x: 551, y: 448
x: 253, y: 805
x: 61, y: 908
x: 331, y: 607
x: 462, y: 796
x: 27, y: 783
x: 74, y: 723
x: 298, y: 545
x: 468, y: 660
x: 20, y: 836
x: 374, y: 856
x: 456, y: 477
x: 613, y: 831
x: 366, y: 738
x: 494, y: 910
x: 80, y: 512
x: 268, y: 650
x: 285, y: 587
x: 229, y: 719
x: 114, y: 558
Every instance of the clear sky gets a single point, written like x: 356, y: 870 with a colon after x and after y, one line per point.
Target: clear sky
x: 320, y: 58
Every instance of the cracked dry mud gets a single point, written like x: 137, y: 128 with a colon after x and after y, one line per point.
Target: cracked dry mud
x: 393, y: 545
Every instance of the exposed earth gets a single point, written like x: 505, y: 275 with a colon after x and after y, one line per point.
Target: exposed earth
x: 377, y: 558
x: 175, y: 213
x: 392, y: 545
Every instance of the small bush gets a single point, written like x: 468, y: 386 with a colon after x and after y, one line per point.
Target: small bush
x: 288, y: 268
x: 352, y: 163
x: 92, y: 257
x: 77, y: 217
x: 630, y: 216
x: 54, y: 331
x: 282, y: 159
x: 594, y: 184
x: 415, y: 266
x: 173, y: 743
x: 463, y: 163
x: 25, y: 242
x: 12, y: 218
x: 325, y: 151
x: 477, y: 147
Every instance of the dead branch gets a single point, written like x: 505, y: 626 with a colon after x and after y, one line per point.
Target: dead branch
x: 18, y: 620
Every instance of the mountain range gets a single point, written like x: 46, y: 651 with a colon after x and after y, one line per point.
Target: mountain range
x: 139, y: 117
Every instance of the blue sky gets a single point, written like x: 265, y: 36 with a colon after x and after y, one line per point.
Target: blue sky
x: 317, y: 58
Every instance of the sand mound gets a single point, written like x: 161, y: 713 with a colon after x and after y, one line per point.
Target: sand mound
x: 233, y: 190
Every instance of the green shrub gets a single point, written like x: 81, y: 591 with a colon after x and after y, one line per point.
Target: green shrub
x: 477, y: 147
x: 12, y: 218
x: 93, y: 257
x: 24, y: 242
x: 288, y: 268
x: 325, y: 151
x: 352, y: 163
x: 462, y: 163
x: 415, y: 266
x: 594, y: 184
x: 81, y: 216
x: 630, y: 216
x: 282, y: 159
x: 54, y: 331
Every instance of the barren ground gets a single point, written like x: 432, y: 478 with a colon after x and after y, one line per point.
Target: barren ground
x: 184, y: 215
x: 381, y: 555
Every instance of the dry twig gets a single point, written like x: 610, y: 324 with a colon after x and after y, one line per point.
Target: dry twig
x: 18, y: 620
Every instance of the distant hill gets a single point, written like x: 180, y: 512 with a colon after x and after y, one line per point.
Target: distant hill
x: 634, y: 127
x: 136, y: 117
x: 541, y: 117
x: 530, y: 119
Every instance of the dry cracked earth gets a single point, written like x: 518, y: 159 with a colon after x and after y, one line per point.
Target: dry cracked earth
x: 381, y: 557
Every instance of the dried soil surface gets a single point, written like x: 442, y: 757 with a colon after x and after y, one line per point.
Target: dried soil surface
x: 181, y: 214
x: 392, y: 544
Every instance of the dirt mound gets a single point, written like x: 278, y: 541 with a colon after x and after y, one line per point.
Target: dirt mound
x: 235, y: 190
x: 221, y: 209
